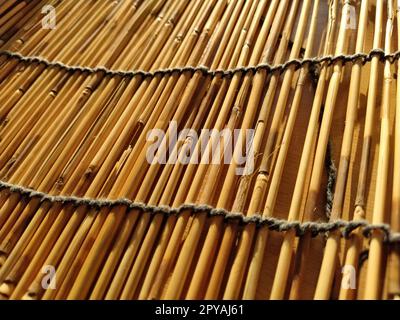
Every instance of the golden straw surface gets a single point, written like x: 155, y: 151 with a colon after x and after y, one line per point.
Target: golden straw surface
x: 324, y: 147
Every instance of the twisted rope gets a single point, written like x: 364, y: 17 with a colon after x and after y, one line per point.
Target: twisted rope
x: 296, y: 63
x: 275, y: 224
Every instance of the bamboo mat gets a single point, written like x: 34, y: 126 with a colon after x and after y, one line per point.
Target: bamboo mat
x: 76, y: 117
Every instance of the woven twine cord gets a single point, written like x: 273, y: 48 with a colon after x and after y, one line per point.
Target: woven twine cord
x: 316, y: 228
x: 297, y: 63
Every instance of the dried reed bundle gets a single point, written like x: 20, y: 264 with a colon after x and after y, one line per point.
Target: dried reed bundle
x: 86, y: 132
